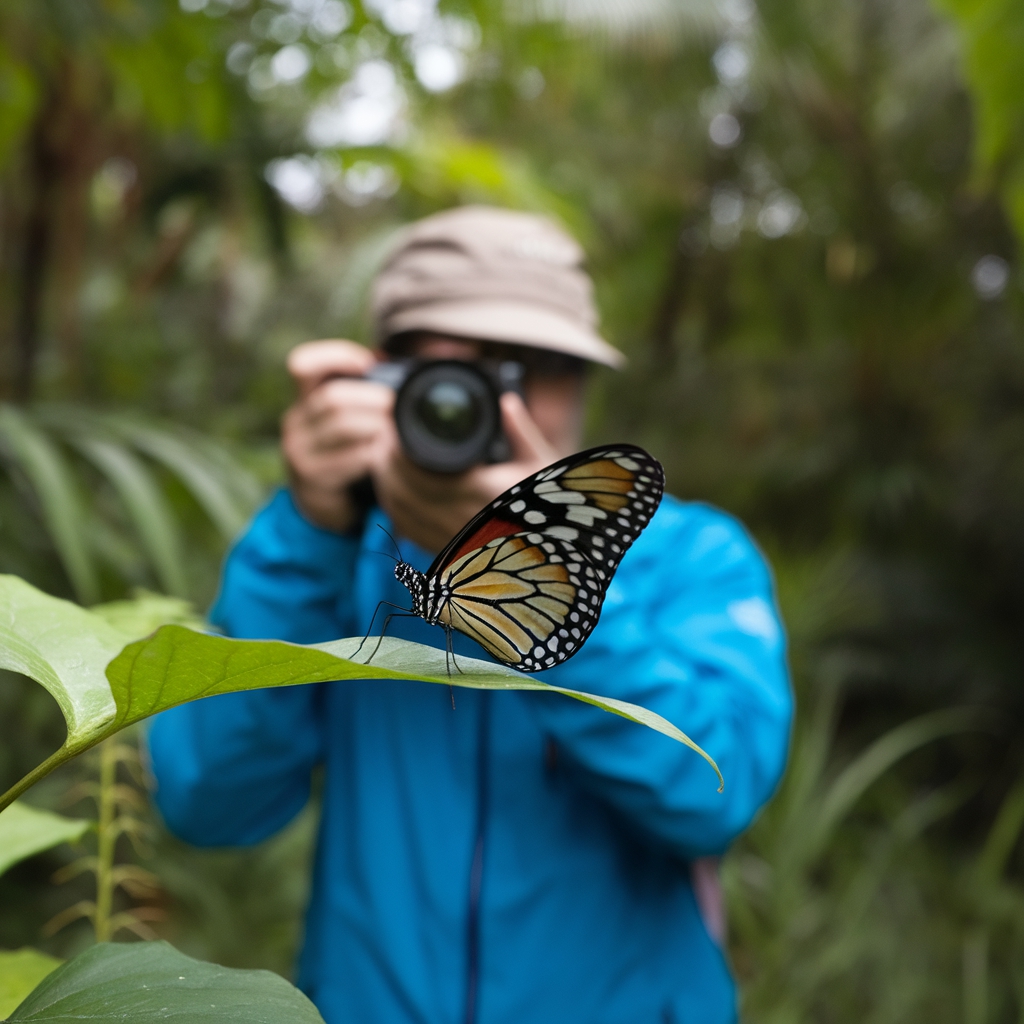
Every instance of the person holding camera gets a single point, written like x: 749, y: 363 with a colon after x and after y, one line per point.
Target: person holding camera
x: 520, y: 857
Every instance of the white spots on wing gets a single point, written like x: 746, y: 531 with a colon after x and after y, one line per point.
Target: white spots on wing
x: 549, y: 548
x: 754, y: 617
x: 627, y: 463
x: 598, y: 542
x: 535, y: 517
x: 553, y: 643
x: 563, y: 532
x: 538, y: 652
x: 574, y: 617
x: 560, y: 497
x: 534, y: 538
x: 517, y: 506
x: 585, y: 515
x: 574, y: 566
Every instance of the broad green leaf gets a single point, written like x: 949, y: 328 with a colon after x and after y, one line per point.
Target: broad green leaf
x: 177, y: 665
x: 44, y: 466
x: 67, y: 649
x: 25, y: 831
x: 21, y: 970
x: 63, y: 648
x: 144, y: 982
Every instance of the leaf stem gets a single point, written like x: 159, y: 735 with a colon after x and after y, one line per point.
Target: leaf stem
x: 56, y: 759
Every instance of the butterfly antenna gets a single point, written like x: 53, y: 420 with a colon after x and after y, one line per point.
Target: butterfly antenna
x: 384, y: 553
x: 393, y: 541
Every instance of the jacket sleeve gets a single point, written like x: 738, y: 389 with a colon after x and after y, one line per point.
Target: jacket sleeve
x: 690, y: 630
x: 233, y: 769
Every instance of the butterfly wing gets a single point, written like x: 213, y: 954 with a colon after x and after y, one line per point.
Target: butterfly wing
x: 526, y: 577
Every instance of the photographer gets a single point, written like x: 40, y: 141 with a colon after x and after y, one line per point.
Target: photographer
x: 521, y: 857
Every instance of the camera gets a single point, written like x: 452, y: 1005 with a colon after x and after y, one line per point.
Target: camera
x: 447, y: 411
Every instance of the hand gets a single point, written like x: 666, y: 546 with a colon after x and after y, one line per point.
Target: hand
x: 337, y: 432
x: 430, y: 508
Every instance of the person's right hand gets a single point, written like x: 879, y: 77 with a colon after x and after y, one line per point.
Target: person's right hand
x: 337, y: 432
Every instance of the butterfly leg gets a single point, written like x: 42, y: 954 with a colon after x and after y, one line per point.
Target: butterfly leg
x: 370, y: 627
x: 449, y: 653
x: 394, y: 615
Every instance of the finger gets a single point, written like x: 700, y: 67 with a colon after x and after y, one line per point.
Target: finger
x: 335, y: 395
x: 314, y: 361
x: 524, y: 436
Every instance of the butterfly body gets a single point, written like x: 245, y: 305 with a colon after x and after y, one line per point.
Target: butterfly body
x: 527, y: 576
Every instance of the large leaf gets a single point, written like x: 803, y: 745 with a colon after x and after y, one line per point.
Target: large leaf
x: 68, y: 650
x: 25, y: 831
x: 177, y: 665
x: 21, y: 970
x: 145, y: 982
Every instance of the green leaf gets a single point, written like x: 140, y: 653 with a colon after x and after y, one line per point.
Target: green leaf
x: 144, y: 982
x: 25, y: 831
x: 177, y: 665
x: 63, y: 648
x: 21, y: 970
x: 66, y: 649
x: 44, y: 466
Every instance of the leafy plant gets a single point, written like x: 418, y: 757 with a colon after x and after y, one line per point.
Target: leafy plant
x: 144, y: 982
x: 103, y: 685
x: 119, y: 807
x: 57, y: 455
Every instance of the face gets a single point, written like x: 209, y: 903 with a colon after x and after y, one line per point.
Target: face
x: 554, y: 402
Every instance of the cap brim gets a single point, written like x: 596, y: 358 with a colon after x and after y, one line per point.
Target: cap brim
x: 509, y: 322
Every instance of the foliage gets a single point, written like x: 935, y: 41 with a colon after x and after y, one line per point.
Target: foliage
x: 131, y: 530
x: 103, y: 685
x: 21, y: 970
x: 25, y: 831
x: 992, y: 34
x: 799, y: 239
x: 146, y: 981
x: 119, y: 809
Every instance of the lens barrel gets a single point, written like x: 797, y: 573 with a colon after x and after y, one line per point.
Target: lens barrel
x: 448, y: 416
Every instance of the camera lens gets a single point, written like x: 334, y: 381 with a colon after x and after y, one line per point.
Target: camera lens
x: 447, y: 416
x: 449, y: 411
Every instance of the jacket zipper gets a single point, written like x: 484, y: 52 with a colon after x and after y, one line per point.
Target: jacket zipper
x: 476, y: 870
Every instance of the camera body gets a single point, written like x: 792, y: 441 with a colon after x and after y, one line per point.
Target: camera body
x: 447, y: 411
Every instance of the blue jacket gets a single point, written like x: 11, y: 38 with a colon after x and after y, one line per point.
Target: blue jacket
x: 523, y: 858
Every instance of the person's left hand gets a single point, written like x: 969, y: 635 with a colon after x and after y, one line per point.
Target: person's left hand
x: 430, y: 508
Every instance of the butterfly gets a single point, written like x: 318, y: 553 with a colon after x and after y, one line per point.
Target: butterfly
x: 526, y: 577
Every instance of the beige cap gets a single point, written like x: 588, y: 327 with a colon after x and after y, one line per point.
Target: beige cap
x: 492, y: 275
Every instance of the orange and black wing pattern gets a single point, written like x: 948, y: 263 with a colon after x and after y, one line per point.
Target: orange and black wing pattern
x: 526, y: 578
